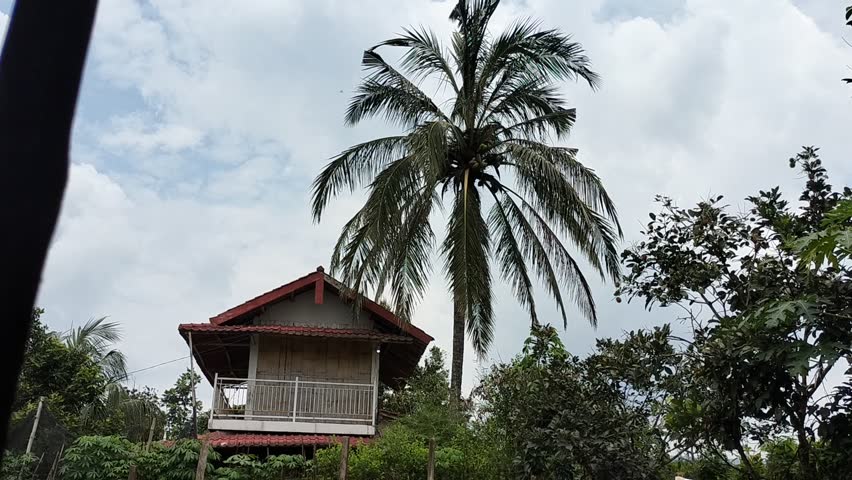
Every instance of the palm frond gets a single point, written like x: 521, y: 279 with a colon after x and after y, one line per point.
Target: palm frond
x: 511, y: 258
x: 559, y: 121
x: 550, y: 258
x: 387, y: 91
x: 362, y: 257
x: 466, y: 250
x: 472, y: 18
x: 114, y: 365
x: 555, y: 197
x: 525, y: 49
x: 529, y: 96
x: 584, y: 180
x: 96, y: 339
x: 408, y: 262
x: 425, y: 55
x: 354, y: 167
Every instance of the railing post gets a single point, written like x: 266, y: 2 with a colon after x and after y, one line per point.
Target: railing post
x: 295, y: 398
x: 215, y: 394
x: 374, y: 381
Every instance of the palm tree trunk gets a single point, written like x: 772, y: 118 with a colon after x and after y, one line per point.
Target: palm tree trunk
x: 458, y: 352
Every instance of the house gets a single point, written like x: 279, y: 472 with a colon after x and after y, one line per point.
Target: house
x: 297, y: 365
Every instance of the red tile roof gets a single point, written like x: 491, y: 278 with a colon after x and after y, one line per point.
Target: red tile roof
x: 355, y: 334
x: 314, y: 280
x: 232, y: 440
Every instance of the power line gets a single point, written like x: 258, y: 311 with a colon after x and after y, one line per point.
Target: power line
x: 217, y: 347
x: 158, y: 365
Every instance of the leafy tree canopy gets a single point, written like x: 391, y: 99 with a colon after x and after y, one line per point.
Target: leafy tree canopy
x: 768, y: 296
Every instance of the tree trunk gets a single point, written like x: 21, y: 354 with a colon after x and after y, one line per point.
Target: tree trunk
x: 458, y: 352
x: 746, y: 462
x: 803, y: 452
x: 804, y: 455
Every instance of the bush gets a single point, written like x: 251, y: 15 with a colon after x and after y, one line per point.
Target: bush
x: 402, y: 454
x: 177, y: 462
x: 17, y: 466
x: 248, y: 467
x: 99, y: 458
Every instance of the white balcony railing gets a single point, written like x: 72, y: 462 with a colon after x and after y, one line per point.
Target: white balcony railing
x: 306, y: 401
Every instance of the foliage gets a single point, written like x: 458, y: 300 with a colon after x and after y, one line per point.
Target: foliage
x: 423, y: 402
x: 465, y: 449
x: 96, y: 340
x: 176, y: 462
x: 128, y: 412
x: 399, y: 453
x: 767, y: 295
x: 487, y: 150
x: 15, y: 466
x: 248, y: 467
x: 178, y: 405
x: 79, y: 375
x: 565, y: 418
x: 110, y: 457
x: 98, y: 458
x: 69, y: 379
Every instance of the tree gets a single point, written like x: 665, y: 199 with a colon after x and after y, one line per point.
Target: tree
x: 769, y: 321
x: 97, y: 339
x: 80, y: 375
x: 178, y: 404
x: 567, y: 418
x: 68, y: 379
x: 489, y: 149
x: 116, y: 409
x: 423, y: 401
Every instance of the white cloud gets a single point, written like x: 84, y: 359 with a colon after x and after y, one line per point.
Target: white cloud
x: 133, y: 133
x: 201, y: 200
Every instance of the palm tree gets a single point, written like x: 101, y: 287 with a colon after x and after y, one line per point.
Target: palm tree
x: 96, y: 338
x: 488, y: 149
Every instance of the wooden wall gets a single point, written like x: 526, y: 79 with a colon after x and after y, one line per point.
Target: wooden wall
x: 321, y: 359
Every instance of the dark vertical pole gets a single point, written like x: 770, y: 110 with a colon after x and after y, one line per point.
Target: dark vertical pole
x: 344, y: 459
x: 131, y: 475
x: 430, y: 466
x: 192, y: 382
x: 40, y: 69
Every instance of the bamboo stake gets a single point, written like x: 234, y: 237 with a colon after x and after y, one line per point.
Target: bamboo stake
x: 35, y: 425
x: 151, y: 434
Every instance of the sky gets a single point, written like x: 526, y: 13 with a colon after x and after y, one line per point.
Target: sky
x: 201, y: 124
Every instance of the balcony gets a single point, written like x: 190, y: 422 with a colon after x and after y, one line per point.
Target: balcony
x: 293, y: 406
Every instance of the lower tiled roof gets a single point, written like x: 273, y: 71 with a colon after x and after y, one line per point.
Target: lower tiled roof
x: 232, y: 440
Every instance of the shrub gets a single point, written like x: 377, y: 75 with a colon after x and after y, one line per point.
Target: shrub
x: 17, y: 466
x: 99, y: 458
x: 399, y: 454
x: 177, y: 462
x: 248, y: 467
